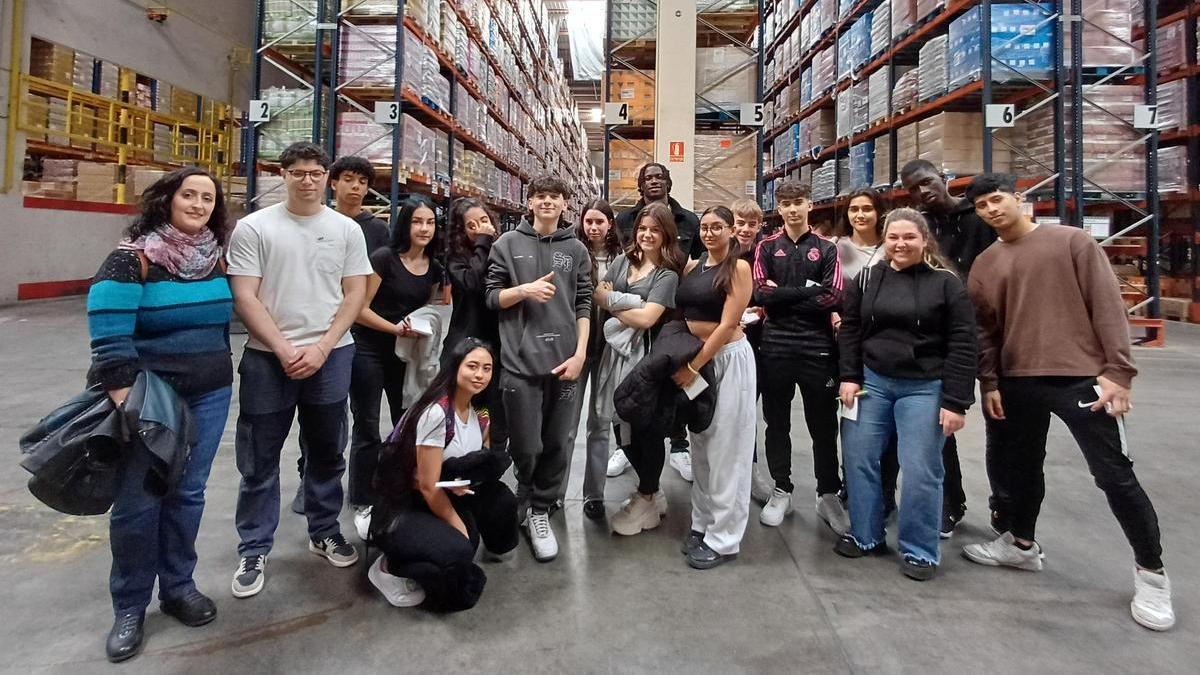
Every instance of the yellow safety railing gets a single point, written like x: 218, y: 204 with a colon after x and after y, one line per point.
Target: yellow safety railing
x: 74, y: 121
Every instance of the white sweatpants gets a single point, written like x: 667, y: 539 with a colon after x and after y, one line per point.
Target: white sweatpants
x: 723, y: 454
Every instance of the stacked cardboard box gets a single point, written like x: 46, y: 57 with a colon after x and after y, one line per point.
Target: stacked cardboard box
x: 904, y: 16
x: 58, y: 179
x: 83, y: 71
x: 724, y: 76
x: 725, y: 169
x: 362, y: 63
x: 358, y: 134
x: 138, y: 179
x: 625, y: 159
x: 881, y: 163
x: 291, y: 121
x: 635, y: 89
x: 878, y: 89
x: 1107, y: 33
x: 926, y: 8
x: 95, y: 182
x: 1172, y: 169
x: 51, y: 61
x: 952, y: 142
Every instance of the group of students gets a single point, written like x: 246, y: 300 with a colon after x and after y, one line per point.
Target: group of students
x: 675, y: 324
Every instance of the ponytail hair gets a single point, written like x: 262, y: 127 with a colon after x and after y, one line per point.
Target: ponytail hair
x: 723, y: 279
x: 933, y: 256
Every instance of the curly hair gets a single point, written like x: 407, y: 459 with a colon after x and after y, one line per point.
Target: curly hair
x: 156, y: 205
x: 456, y: 226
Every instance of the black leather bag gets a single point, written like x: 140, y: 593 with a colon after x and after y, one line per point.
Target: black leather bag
x: 76, y: 453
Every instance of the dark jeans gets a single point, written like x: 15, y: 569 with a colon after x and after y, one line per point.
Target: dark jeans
x: 269, y: 401
x: 646, y: 455
x: 374, y: 372
x: 1021, y: 450
x: 154, y: 536
x: 427, y: 549
x: 542, y: 420
x: 817, y: 379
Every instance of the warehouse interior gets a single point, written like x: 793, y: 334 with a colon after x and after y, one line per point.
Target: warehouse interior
x: 1093, y: 104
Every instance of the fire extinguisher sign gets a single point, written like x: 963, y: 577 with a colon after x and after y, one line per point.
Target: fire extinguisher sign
x: 676, y: 151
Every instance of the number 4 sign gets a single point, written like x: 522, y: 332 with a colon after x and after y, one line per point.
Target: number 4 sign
x: 616, y: 113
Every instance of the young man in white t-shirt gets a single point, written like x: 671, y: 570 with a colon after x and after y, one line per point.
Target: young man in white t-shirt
x: 298, y: 271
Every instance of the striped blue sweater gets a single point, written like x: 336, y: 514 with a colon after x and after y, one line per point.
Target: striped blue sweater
x: 175, y: 327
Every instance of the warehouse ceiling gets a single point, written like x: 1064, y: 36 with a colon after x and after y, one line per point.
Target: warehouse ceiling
x: 587, y: 93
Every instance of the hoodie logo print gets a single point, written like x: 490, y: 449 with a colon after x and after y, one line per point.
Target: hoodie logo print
x: 814, y: 255
x: 562, y: 261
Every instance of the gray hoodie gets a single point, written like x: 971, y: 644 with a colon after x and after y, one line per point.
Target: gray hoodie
x: 537, y: 337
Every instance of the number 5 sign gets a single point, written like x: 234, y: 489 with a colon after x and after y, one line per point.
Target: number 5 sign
x: 752, y: 114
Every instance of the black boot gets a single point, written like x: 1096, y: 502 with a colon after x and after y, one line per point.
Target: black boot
x: 125, y: 638
x: 193, y: 609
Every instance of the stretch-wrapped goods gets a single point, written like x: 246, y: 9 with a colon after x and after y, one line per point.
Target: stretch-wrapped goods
x: 1021, y: 35
x: 931, y: 63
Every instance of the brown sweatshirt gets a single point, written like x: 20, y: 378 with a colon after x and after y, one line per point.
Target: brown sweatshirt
x: 1049, y: 304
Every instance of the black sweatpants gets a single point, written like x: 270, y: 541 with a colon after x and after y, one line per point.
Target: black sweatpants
x: 646, y: 455
x: 374, y: 373
x: 1021, y: 454
x: 817, y: 380
x: 427, y: 549
x: 542, y: 417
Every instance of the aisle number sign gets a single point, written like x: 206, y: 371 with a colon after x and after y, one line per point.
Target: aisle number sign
x: 752, y: 114
x: 999, y: 115
x: 676, y: 151
x: 1145, y: 117
x: 616, y: 113
x: 260, y: 111
x: 387, y: 112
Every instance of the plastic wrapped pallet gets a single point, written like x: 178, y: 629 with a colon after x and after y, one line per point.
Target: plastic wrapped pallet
x: 932, y: 67
x: 877, y: 100
x: 862, y: 168
x: 51, y: 61
x: 725, y: 169
x: 952, y: 141
x: 1171, y: 50
x: 881, y: 162
x: 860, y: 98
x: 95, y: 182
x: 1172, y: 169
x: 881, y: 27
x: 822, y: 181
x: 829, y: 15
x: 904, y: 94
x: 626, y: 158
x: 904, y: 17
x: 291, y: 120
x: 1016, y: 39
x: 906, y: 144
x: 289, y: 22
x: 82, y: 71
x: 1172, y: 105
x: 854, y: 47
x: 818, y: 130
x: 806, y: 87
x: 1107, y: 32
x: 823, y: 70
x: 927, y: 8
x: 109, y: 79
x: 358, y: 134
x: 363, y: 63
x: 843, y: 106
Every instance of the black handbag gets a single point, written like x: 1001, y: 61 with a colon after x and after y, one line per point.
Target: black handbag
x: 76, y: 453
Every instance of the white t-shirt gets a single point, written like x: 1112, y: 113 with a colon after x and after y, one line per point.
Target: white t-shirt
x: 301, y: 261
x: 431, y: 431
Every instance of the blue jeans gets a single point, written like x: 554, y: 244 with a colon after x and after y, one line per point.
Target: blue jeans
x: 154, y: 536
x: 268, y: 401
x: 910, y: 409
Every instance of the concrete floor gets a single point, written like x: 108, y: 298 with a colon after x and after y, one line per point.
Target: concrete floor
x: 789, y: 604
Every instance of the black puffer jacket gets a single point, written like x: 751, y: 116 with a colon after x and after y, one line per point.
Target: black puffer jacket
x: 650, y: 401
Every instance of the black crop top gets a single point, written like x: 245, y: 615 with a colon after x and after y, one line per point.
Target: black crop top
x: 696, y: 297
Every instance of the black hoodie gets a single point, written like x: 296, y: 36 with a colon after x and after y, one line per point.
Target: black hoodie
x: 916, y: 323
x: 536, y: 338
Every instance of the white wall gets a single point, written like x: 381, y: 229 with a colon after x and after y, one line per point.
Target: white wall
x: 189, y: 50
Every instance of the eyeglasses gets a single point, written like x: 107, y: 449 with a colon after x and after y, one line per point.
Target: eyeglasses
x: 712, y: 229
x: 300, y: 174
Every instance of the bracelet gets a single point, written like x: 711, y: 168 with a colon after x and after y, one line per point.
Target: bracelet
x: 694, y: 371
x: 322, y: 350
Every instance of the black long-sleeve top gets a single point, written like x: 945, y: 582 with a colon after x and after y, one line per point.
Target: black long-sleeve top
x: 807, y: 291
x: 913, y: 323
x: 471, y: 317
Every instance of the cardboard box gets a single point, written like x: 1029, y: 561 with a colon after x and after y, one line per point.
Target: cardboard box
x: 635, y: 89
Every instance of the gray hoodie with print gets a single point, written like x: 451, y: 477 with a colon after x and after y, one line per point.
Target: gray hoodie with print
x: 537, y: 337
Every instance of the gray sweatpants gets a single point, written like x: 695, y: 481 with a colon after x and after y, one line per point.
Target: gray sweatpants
x: 542, y: 415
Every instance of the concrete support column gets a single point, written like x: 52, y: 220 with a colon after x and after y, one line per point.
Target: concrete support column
x: 675, y: 96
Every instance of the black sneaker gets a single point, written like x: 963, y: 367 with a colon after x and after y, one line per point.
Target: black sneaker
x: 847, y: 547
x: 704, y: 558
x: 694, y: 539
x: 918, y: 570
x: 192, y: 609
x: 125, y: 639
x: 952, y: 515
x: 335, y: 549
x: 250, y: 575
x: 593, y: 509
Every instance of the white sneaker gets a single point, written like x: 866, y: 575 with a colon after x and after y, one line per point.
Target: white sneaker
x: 1151, y: 605
x: 398, y: 591
x: 660, y: 501
x: 682, y: 462
x: 762, y: 486
x: 1003, y: 551
x: 778, y: 506
x: 831, y: 510
x: 638, y: 514
x: 617, y: 464
x: 362, y: 522
x: 541, y: 537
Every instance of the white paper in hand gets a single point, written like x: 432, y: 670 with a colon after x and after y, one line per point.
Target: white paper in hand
x: 420, y: 325
x: 810, y: 283
x: 750, y: 316
x: 693, y: 390
x: 849, y: 413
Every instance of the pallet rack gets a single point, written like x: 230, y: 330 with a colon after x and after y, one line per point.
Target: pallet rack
x: 732, y: 24
x: 1063, y: 184
x: 547, y: 134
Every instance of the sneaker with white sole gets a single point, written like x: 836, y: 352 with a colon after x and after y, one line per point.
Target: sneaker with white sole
x: 1003, y: 551
x: 638, y: 514
x: 250, y: 576
x: 831, y: 510
x: 398, y: 591
x: 617, y: 464
x: 778, y: 506
x: 541, y: 537
x: 762, y: 486
x: 660, y: 501
x: 362, y: 522
x: 335, y: 549
x: 1151, y: 604
x: 682, y: 462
